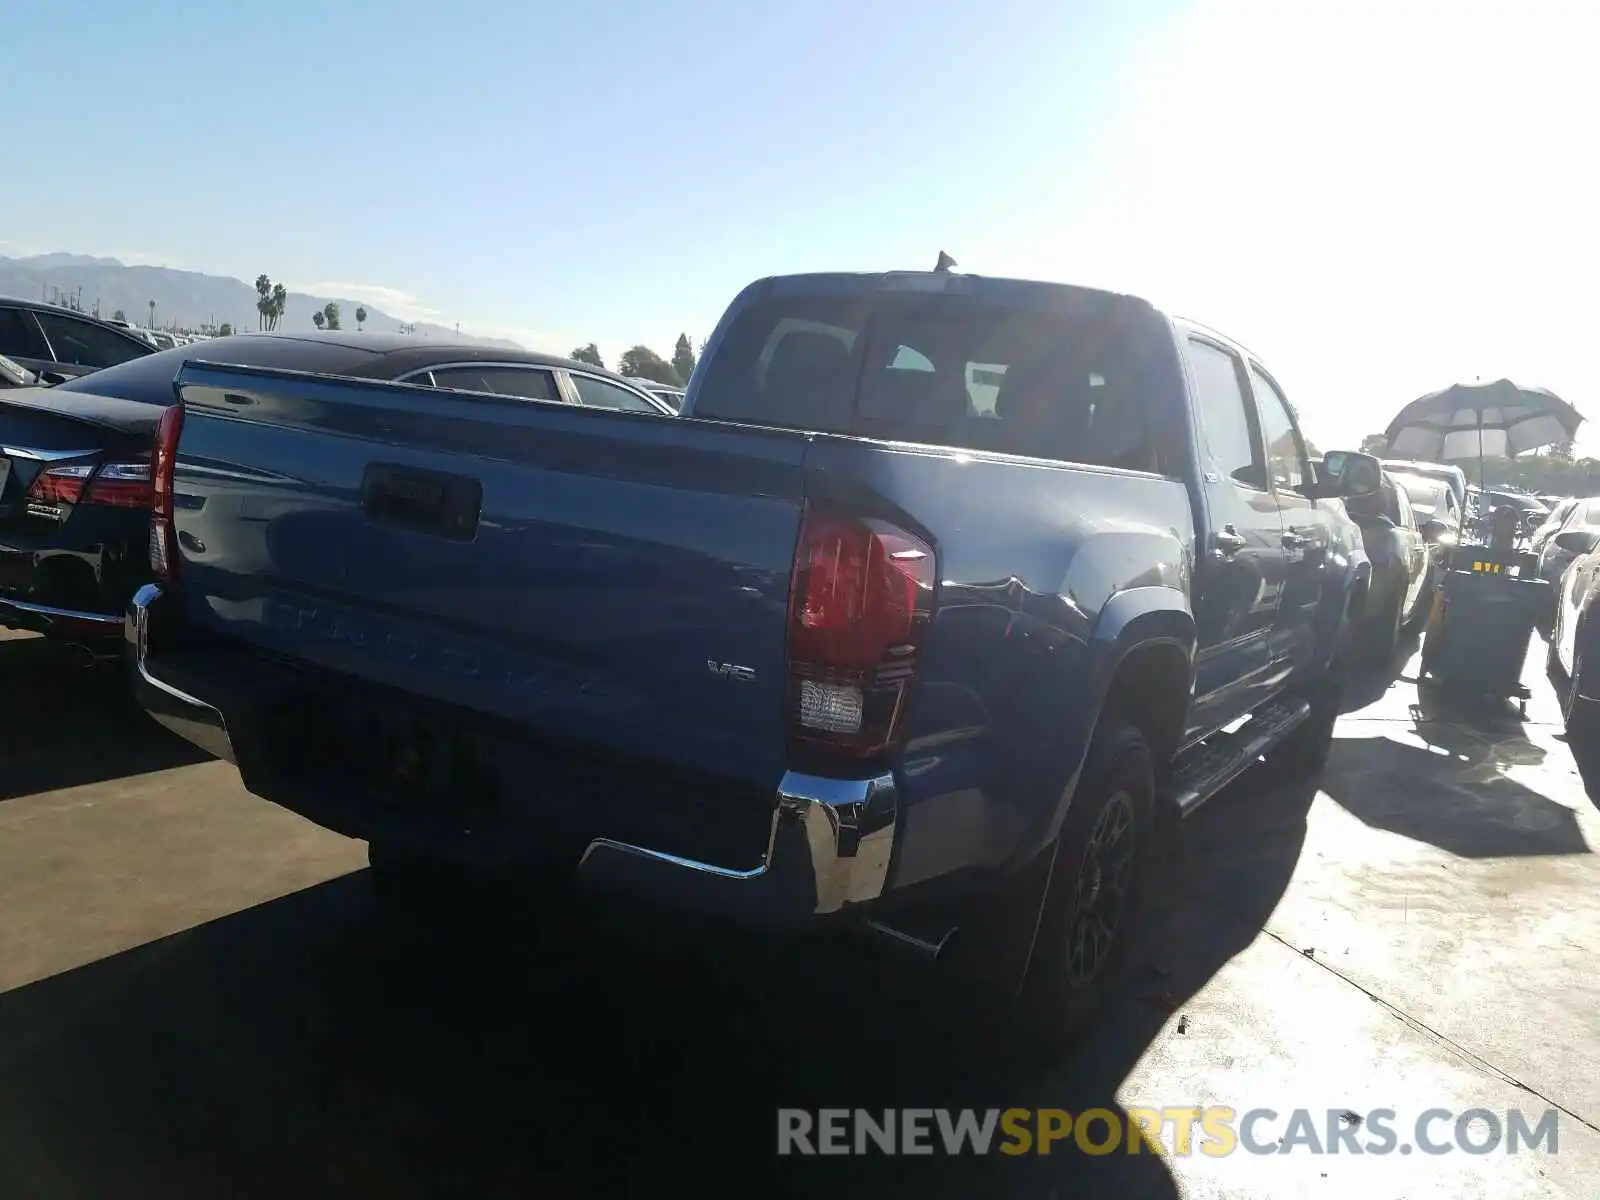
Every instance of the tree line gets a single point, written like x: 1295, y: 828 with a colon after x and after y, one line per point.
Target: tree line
x: 641, y: 362
x: 638, y: 362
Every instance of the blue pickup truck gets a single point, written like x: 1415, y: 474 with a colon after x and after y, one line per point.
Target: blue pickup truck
x: 940, y: 595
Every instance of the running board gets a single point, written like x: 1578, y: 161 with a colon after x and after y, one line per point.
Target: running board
x: 1212, y: 765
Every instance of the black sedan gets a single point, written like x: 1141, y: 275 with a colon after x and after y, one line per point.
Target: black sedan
x: 1574, y: 658
x: 75, y: 480
x: 1402, y: 568
x: 57, y: 343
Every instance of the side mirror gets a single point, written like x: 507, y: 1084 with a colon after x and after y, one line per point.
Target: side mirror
x: 1577, y: 541
x: 1434, y: 531
x: 15, y: 374
x: 1349, y: 474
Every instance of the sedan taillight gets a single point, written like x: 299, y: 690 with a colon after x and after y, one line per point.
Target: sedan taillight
x: 121, y: 484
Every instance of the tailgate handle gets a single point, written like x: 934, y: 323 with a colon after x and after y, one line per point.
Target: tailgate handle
x: 428, y: 501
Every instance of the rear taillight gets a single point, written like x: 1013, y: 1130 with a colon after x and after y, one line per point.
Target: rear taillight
x: 862, y: 597
x: 123, y: 484
x: 163, y: 536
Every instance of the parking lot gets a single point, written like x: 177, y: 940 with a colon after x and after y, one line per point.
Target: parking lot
x: 198, y: 997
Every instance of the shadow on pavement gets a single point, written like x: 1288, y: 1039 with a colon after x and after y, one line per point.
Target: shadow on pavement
x: 1456, y: 793
x: 1369, y: 682
x: 64, y: 724
x: 315, y: 1046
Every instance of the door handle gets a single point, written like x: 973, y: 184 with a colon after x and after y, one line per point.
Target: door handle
x: 1228, y: 541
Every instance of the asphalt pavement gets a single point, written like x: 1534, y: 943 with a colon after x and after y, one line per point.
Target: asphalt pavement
x: 199, y: 997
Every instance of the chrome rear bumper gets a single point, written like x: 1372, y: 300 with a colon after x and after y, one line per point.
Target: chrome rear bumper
x: 829, y: 847
x: 173, y: 708
x: 66, y: 622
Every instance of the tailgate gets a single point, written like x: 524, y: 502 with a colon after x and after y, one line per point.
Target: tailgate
x: 595, y: 575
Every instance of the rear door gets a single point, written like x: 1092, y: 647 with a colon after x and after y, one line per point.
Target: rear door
x: 1307, y: 533
x: 1240, y: 564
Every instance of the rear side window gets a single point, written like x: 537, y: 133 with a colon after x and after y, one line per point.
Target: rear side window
x: 528, y: 383
x: 19, y: 336
x: 597, y: 393
x: 85, y: 345
x: 1093, y: 381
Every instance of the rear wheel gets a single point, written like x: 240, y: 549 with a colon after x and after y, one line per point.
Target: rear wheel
x: 1418, y: 615
x: 1552, y: 659
x: 1085, y: 923
x: 1380, y: 634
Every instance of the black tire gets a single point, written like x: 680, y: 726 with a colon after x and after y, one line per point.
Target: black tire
x: 1096, y: 885
x: 1552, y: 664
x: 1380, y: 634
x: 1304, y: 753
x: 1567, y: 689
x: 1418, y: 615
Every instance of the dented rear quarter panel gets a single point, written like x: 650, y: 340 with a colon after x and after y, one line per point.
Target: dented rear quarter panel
x: 1043, y: 586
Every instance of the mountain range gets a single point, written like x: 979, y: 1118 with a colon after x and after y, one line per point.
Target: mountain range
x: 188, y: 299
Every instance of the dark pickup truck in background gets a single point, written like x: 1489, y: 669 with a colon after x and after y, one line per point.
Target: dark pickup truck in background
x: 941, y: 593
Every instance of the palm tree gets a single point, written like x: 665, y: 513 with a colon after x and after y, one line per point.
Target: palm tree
x: 152, y: 324
x: 361, y: 317
x: 279, y: 301
x: 317, y: 318
x: 263, y: 302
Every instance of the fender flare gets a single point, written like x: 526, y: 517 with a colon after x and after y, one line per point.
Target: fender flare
x: 1137, y: 617
x: 1131, y: 620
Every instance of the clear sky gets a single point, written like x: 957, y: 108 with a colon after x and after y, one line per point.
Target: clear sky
x: 1379, y: 198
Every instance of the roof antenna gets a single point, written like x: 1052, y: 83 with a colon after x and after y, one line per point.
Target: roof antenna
x: 942, y: 267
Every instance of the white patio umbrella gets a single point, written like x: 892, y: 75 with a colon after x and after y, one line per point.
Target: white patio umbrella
x: 1478, y: 420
